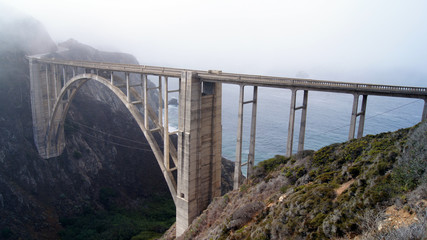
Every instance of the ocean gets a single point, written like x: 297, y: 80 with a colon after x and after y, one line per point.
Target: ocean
x: 328, y: 119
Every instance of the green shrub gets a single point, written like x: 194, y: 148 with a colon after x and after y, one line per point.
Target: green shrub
x: 107, y: 196
x: 6, y: 233
x: 284, y: 188
x: 244, y: 188
x: 300, y: 171
x: 144, y: 235
x: 354, y: 171
x: 326, y: 177
x: 383, y: 167
x: 312, y: 173
x: 77, y: 154
x: 272, y: 163
x: 147, y: 222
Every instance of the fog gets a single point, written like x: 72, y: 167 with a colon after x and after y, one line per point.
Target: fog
x: 378, y: 41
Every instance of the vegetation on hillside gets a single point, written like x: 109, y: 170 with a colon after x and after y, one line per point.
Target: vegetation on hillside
x: 335, y: 192
x: 149, y: 221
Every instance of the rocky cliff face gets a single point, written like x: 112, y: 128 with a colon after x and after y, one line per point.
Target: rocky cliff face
x: 34, y: 192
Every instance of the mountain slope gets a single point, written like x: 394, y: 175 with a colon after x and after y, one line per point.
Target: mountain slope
x: 335, y: 192
x: 35, y: 193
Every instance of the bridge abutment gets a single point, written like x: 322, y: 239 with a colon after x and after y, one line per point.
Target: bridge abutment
x: 199, y: 148
x: 44, y: 90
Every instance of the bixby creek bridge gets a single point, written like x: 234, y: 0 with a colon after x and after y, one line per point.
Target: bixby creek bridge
x: 197, y: 157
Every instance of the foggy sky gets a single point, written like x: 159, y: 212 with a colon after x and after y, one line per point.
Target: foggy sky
x: 377, y: 41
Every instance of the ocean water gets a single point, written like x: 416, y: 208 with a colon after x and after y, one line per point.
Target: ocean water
x: 328, y: 119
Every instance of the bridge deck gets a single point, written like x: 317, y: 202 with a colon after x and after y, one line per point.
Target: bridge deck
x: 256, y: 80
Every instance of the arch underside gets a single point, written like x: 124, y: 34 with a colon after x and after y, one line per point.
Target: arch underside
x: 55, y: 131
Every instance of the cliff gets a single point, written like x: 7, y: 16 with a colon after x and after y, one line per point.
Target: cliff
x: 370, y: 188
x: 36, y: 193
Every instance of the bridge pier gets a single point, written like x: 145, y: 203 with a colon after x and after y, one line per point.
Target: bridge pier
x: 44, y: 90
x: 355, y: 114
x: 199, y: 148
x: 424, y: 116
x: 362, y: 116
x: 251, y: 156
x: 291, y: 127
x: 238, y: 162
x: 301, y: 137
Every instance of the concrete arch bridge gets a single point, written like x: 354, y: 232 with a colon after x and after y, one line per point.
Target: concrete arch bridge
x: 197, y: 157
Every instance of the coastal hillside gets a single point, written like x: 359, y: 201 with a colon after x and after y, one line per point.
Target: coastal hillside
x: 370, y: 188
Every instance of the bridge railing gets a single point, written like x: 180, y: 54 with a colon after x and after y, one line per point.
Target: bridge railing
x: 322, y: 85
x: 256, y: 80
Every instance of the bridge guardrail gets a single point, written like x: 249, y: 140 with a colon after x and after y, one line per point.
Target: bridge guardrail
x: 268, y: 81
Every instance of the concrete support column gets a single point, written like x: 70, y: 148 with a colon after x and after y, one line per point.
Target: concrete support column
x: 353, y: 117
x: 50, y: 73
x: 362, y: 115
x: 64, y: 76
x: 145, y: 89
x: 291, y: 124
x: 199, y: 149
x: 251, y: 156
x: 238, y: 162
x: 188, y: 154
x: 424, y: 116
x: 216, y: 146
x: 127, y: 87
x: 160, y: 102
x: 52, y: 85
x: 141, y: 89
x: 166, y: 126
x: 56, y: 83
x: 301, y: 137
x: 56, y: 140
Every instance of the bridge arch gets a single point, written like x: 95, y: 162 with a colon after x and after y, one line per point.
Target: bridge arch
x: 55, y: 129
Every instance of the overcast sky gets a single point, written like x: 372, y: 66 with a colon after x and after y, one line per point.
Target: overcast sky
x: 329, y: 39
